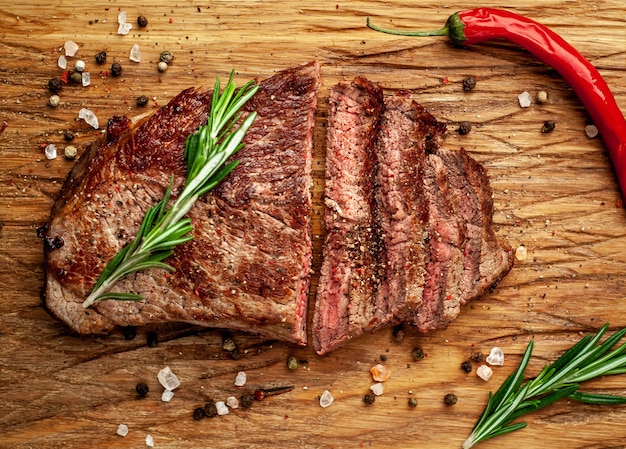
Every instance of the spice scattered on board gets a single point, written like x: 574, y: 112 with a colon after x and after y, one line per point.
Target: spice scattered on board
x: 122, y: 430
x: 484, y: 372
x: 524, y: 99
x: 88, y: 116
x: 326, y: 399
x: 450, y: 399
x: 380, y: 373
x: 495, y: 357
x: 168, y: 379
x: 240, y: 379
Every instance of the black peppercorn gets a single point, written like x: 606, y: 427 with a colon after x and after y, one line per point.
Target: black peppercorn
x: 68, y: 135
x: 101, y: 57
x: 210, y: 409
x: 51, y: 243
x: 54, y: 85
x: 166, y: 57
x: 548, y: 126
x: 129, y: 332
x: 418, y: 354
x: 398, y: 334
x: 116, y: 69
x: 412, y: 402
x: 141, y: 100
x: 76, y: 77
x: 369, y: 398
x: 450, y: 399
x: 292, y: 363
x: 466, y: 366
x: 234, y: 354
x: 383, y: 358
x: 41, y: 230
x: 153, y: 339
x: 465, y: 128
x: 142, y: 389
x: 142, y: 21
x: 469, y: 83
x: 247, y: 400
x: 198, y: 413
x: 477, y: 356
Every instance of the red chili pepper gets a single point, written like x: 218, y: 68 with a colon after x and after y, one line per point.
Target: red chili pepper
x: 481, y: 24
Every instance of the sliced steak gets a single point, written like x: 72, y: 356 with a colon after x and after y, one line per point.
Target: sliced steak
x: 345, y: 306
x: 248, y: 266
x: 424, y: 222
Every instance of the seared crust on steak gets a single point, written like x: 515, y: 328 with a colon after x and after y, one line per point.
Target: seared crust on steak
x: 248, y: 266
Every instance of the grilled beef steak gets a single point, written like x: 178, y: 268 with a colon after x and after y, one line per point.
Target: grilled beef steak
x: 248, y: 266
x: 423, y: 242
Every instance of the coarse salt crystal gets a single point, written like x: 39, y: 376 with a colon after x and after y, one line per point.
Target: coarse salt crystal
x: 232, y: 402
x: 326, y: 399
x: 135, y: 54
x: 591, y: 131
x: 149, y: 441
x: 51, y: 151
x: 240, y: 379
x: 121, y: 17
x: 89, y: 117
x: 86, y: 79
x: 70, y: 48
x: 221, y: 407
x: 122, y: 430
x: 484, y: 372
x: 167, y: 395
x: 377, y: 388
x: 124, y: 28
x: 62, y: 62
x: 521, y: 253
x: 168, y: 379
x: 495, y: 357
x: 524, y: 99
x: 380, y: 373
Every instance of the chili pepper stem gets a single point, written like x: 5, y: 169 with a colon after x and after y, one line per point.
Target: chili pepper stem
x: 445, y: 31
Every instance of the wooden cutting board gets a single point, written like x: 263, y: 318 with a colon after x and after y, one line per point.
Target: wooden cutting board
x: 554, y: 193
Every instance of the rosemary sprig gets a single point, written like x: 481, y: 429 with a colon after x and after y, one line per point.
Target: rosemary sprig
x: 206, y: 152
x: 584, y: 361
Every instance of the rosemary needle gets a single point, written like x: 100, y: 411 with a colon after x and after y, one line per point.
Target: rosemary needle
x: 162, y: 229
x: 586, y: 360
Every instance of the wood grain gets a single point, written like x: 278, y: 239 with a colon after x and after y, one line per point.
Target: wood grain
x: 554, y: 193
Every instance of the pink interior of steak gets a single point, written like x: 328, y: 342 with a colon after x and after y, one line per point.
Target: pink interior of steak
x: 248, y: 266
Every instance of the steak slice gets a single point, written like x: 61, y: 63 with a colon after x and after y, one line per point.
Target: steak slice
x: 465, y: 257
x: 404, y: 133
x: 248, y: 266
x: 345, y: 305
